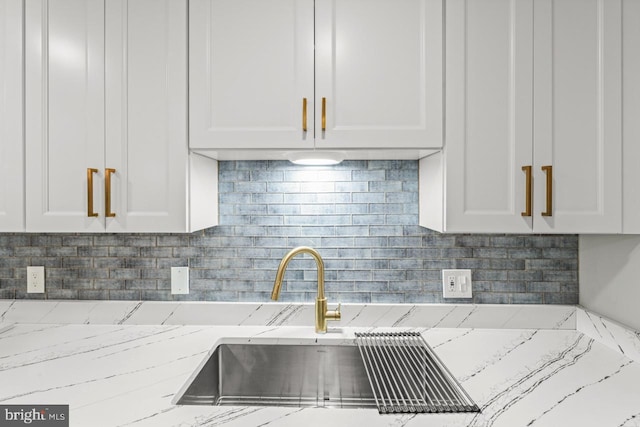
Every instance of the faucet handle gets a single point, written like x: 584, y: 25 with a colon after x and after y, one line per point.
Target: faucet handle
x: 334, y: 314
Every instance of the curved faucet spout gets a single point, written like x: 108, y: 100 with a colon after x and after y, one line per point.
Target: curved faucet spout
x: 322, y: 314
x: 275, y: 294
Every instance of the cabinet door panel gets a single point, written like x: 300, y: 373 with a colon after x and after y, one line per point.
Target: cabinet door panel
x: 146, y: 134
x: 251, y: 64
x: 577, y: 116
x: 11, y: 120
x: 489, y: 107
x: 64, y: 89
x: 379, y: 66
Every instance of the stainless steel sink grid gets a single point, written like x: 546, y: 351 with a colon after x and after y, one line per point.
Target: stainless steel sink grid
x: 408, y: 377
x: 366, y: 375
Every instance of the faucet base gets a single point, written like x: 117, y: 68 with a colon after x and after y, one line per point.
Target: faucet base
x: 323, y: 315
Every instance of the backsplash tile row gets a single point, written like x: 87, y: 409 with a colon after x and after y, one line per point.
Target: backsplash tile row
x: 361, y: 216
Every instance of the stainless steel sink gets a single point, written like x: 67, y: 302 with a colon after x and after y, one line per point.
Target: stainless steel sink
x: 282, y: 375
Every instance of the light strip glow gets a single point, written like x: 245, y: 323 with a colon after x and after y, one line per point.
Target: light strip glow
x: 315, y: 158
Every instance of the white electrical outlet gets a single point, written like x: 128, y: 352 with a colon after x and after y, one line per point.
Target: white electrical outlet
x: 456, y: 284
x: 179, y: 280
x: 35, y: 280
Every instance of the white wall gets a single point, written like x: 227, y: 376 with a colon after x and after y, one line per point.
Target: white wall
x: 610, y: 277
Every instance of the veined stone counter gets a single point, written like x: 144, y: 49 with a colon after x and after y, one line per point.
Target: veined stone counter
x: 115, y: 367
x: 501, y: 316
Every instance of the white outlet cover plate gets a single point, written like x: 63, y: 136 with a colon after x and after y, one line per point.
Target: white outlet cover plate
x: 35, y: 280
x: 456, y: 284
x: 179, y: 280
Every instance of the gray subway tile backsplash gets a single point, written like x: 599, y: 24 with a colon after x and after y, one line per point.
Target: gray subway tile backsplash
x: 361, y: 216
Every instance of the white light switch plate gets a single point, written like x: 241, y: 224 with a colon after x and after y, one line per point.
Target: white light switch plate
x: 35, y: 280
x: 179, y: 280
x: 456, y: 284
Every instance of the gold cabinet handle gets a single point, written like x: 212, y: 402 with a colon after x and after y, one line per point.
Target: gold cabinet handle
x: 324, y: 114
x: 528, y: 185
x: 90, y: 212
x: 549, y: 171
x: 304, y: 114
x: 107, y: 193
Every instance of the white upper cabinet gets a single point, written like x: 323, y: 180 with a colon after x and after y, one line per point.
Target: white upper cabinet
x: 250, y: 68
x: 64, y: 88
x: 378, y: 74
x: 533, y: 90
x: 488, y: 108
x: 379, y: 71
x: 11, y: 117
x: 577, y: 115
x: 106, y: 137
x: 631, y: 116
x: 146, y: 113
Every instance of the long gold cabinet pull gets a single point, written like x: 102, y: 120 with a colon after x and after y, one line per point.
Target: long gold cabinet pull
x: 90, y: 212
x: 529, y: 188
x: 324, y: 114
x: 549, y: 171
x: 304, y: 114
x: 107, y: 193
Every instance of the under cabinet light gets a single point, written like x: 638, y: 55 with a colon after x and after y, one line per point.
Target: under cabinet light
x: 315, y: 158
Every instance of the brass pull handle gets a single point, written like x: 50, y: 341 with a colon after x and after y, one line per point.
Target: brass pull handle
x: 304, y: 114
x: 527, y: 209
x: 549, y: 171
x: 90, y: 212
x: 324, y: 114
x: 107, y: 193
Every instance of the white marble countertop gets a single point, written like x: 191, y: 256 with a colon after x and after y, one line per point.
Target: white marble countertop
x: 117, y: 372
x: 502, y: 316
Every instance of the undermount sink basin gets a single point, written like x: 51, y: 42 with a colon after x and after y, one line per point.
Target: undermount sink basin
x: 331, y: 376
x: 395, y: 372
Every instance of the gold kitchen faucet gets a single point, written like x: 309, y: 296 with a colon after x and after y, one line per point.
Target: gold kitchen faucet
x: 322, y: 314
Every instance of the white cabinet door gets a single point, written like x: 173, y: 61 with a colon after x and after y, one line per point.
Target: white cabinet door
x: 379, y: 70
x: 64, y: 96
x: 488, y: 126
x: 106, y: 90
x: 530, y: 84
x: 11, y: 118
x: 146, y: 114
x: 376, y: 82
x: 631, y: 117
x: 251, y: 66
x: 577, y: 116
